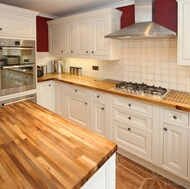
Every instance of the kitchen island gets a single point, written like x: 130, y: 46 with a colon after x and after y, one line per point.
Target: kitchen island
x: 39, y: 149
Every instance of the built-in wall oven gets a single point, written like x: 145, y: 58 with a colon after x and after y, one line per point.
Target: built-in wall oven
x: 17, y: 66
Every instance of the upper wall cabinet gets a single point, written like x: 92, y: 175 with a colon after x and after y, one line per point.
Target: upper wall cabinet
x: 83, y: 35
x: 17, y: 22
x: 183, y: 32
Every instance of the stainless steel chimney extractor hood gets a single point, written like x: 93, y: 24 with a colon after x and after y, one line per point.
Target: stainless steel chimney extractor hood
x: 144, y: 27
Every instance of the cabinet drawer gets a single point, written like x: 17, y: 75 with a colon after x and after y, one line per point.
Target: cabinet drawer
x: 79, y: 90
x: 132, y: 105
x: 175, y: 116
x: 98, y: 96
x: 132, y: 139
x: 131, y: 118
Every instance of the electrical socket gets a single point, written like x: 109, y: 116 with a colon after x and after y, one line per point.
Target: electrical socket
x: 95, y: 68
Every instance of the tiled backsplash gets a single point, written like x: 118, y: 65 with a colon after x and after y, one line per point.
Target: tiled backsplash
x: 151, y: 61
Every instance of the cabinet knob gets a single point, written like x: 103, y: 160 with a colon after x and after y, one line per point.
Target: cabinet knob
x: 62, y: 51
x: 75, y: 90
x: 92, y: 51
x: 86, y: 103
x: 175, y: 117
x: 71, y: 51
x: 98, y: 96
x: 129, y: 105
x: 86, y: 51
x: 129, y: 118
x: 1, y: 29
x: 129, y: 129
x: 102, y: 108
x: 165, y: 129
x: 49, y: 85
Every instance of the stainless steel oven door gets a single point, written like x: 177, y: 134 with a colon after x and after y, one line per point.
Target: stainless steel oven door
x: 17, y: 78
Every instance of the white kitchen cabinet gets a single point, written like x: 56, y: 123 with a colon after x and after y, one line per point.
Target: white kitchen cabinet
x: 100, y: 113
x: 183, y: 36
x: 78, y: 105
x: 90, y: 37
x: 84, y: 34
x: 175, y: 133
x: 70, y: 38
x: 132, y: 127
x: 17, y: 23
x: 56, y: 39
x: 45, y: 95
x: 105, y: 177
x: 60, y: 94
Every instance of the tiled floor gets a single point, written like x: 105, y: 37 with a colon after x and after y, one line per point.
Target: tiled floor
x: 130, y: 175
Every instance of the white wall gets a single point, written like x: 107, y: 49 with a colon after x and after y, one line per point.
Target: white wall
x: 151, y: 61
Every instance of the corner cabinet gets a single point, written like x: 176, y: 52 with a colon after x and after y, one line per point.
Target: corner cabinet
x: 84, y: 34
x: 55, y: 37
x: 45, y: 95
x: 17, y: 22
x: 183, y: 32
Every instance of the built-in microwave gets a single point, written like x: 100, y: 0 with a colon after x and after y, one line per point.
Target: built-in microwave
x: 17, y: 66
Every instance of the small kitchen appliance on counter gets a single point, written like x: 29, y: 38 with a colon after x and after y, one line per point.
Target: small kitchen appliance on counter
x: 59, y: 66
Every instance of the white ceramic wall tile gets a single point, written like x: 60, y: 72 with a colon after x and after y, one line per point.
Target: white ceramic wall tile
x: 152, y: 61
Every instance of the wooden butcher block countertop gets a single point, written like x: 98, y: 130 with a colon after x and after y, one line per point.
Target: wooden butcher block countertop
x: 93, y: 83
x: 39, y: 149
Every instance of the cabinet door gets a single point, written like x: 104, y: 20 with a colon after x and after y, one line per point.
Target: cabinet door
x: 78, y: 110
x: 56, y: 44
x: 70, y: 38
x: 60, y: 99
x: 45, y: 95
x: 175, y: 148
x: 133, y: 140
x: 98, y: 118
x: 83, y: 37
x: 17, y: 25
x: 183, y: 32
x: 99, y: 30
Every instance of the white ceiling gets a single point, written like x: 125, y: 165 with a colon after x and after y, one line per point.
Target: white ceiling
x: 63, y: 7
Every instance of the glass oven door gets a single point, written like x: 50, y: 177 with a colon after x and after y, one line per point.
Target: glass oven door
x: 17, y: 78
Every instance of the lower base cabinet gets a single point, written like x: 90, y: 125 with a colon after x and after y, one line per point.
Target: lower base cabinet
x: 60, y: 94
x: 175, y: 132
x: 157, y: 135
x: 175, y: 149
x: 78, y: 105
x: 105, y: 177
x: 45, y: 94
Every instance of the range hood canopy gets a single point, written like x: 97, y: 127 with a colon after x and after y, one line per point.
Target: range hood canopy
x: 144, y: 26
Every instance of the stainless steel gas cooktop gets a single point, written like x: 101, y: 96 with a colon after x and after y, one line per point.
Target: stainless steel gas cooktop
x: 141, y: 89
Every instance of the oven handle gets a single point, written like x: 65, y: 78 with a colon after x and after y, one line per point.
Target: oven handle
x: 20, y: 66
x: 29, y: 98
x: 17, y: 48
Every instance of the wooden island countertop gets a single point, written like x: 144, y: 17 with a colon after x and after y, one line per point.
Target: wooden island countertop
x: 39, y: 149
x: 93, y: 83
